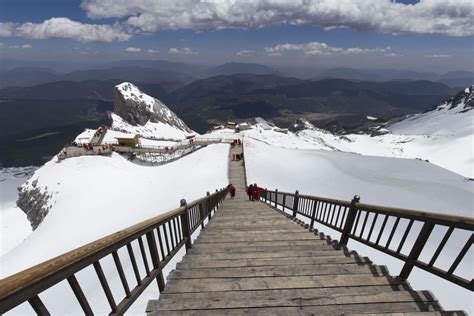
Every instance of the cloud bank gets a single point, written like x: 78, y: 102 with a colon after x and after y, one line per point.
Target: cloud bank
x: 445, y: 17
x: 65, y: 28
x: 318, y: 48
x: 182, y: 51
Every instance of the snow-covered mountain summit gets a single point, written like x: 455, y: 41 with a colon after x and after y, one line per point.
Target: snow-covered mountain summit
x: 452, y: 117
x: 138, y: 108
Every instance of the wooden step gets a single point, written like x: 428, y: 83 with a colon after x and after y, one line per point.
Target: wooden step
x: 177, y: 303
x: 203, y: 263
x: 269, y: 271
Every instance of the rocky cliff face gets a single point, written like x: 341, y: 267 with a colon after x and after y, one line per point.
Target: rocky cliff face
x: 34, y: 202
x: 138, y: 108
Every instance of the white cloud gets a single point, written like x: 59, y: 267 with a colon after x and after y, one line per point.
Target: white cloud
x: 447, y: 17
x: 65, y: 28
x: 245, y: 53
x: 318, y: 48
x: 133, y: 50
x: 153, y: 51
x: 438, y: 56
x: 182, y: 51
x: 24, y: 46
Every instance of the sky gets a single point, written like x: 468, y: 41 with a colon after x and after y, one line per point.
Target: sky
x: 427, y: 35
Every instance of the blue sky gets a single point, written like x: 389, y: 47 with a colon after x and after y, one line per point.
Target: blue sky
x: 428, y: 35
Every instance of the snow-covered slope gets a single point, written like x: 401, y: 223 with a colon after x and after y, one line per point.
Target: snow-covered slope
x: 451, y: 118
x: 138, y: 108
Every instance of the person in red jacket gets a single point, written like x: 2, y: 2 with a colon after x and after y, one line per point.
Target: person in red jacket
x: 232, y: 191
x: 256, y: 192
x: 250, y: 192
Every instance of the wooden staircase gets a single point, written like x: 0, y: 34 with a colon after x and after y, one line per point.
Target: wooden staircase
x: 251, y: 259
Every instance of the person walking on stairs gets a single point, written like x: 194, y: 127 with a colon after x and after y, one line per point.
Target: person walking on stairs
x: 250, y: 192
x: 232, y: 191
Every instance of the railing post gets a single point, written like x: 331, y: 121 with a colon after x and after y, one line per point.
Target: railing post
x: 416, y: 250
x: 185, y: 224
x: 155, y: 259
x: 295, y: 203
x: 276, y: 198
x: 266, y: 195
x: 201, y: 214
x: 284, y: 202
x: 313, y: 214
x: 349, y: 221
x: 208, y: 206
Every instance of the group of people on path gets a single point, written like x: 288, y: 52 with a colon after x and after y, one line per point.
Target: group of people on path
x: 253, y: 191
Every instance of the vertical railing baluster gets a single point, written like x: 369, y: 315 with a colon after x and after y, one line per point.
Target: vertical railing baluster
x: 134, y: 264
x: 461, y: 255
x: 144, y: 257
x: 441, y: 246
x: 160, y: 241
x: 38, y: 306
x: 384, y: 223
x: 155, y: 259
x: 81, y: 298
x: 416, y: 250
x: 123, y: 279
x: 105, y: 286
x: 392, y: 233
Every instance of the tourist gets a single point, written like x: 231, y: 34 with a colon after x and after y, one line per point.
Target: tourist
x: 250, y: 192
x: 232, y: 191
x: 256, y: 192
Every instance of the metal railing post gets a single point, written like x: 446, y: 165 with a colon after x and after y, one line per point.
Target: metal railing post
x: 349, y: 221
x: 295, y: 203
x: 185, y: 224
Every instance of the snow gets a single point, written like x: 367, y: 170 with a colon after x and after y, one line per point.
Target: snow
x: 378, y: 180
x: 130, y: 91
x: 14, y: 226
x: 371, y: 118
x: 88, y: 202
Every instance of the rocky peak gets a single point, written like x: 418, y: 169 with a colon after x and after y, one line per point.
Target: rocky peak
x: 461, y: 102
x: 137, y: 108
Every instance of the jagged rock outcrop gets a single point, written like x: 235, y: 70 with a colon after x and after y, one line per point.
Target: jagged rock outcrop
x: 300, y: 125
x: 138, y: 108
x: 34, y: 203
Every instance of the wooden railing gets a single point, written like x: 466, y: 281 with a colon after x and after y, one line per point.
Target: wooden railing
x: 158, y: 238
x: 376, y: 226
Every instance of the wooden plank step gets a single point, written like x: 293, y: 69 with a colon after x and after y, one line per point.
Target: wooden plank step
x: 287, y: 293
x: 233, y: 249
x: 377, y: 308
x: 261, y: 237
x: 296, y: 282
x: 262, y: 255
x: 177, y: 303
x: 248, y: 272
x: 198, y: 245
x: 246, y: 232
x: 197, y: 262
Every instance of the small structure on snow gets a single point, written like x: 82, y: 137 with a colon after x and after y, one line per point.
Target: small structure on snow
x: 129, y: 141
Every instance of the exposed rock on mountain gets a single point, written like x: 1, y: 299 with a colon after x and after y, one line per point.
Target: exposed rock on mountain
x: 138, y: 108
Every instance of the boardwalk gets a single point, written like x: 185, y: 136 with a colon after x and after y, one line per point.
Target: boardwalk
x: 251, y: 259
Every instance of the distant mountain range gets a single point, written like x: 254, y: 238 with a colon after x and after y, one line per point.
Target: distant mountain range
x: 173, y: 75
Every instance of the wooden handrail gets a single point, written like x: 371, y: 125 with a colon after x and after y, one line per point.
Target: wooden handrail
x: 388, y: 209
x: 27, y: 284
x: 351, y: 219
